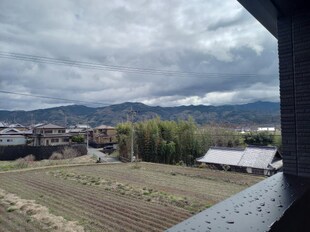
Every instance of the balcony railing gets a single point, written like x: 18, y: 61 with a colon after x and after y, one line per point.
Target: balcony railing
x: 266, y: 206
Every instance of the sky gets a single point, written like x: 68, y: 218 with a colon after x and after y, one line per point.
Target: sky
x: 199, y: 52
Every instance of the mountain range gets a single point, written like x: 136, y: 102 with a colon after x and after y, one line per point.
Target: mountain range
x: 257, y: 113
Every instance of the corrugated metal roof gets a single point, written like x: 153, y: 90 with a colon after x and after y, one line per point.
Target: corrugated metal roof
x: 254, y: 157
x: 225, y: 156
x: 258, y: 157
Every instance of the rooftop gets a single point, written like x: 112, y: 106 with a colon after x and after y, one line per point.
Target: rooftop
x: 104, y: 127
x: 254, y: 157
x: 48, y: 126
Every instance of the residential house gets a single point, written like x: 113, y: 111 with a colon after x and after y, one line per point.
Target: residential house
x: 80, y: 130
x: 103, y: 135
x: 50, y: 135
x: 12, y: 136
x: 257, y: 160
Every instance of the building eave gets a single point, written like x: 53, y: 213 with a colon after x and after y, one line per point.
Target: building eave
x: 265, y: 12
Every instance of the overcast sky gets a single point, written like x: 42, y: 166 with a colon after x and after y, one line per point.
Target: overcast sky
x: 215, y: 37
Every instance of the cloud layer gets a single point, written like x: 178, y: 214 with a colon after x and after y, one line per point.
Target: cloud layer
x: 199, y: 36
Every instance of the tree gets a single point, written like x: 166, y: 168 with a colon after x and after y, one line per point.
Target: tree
x: 258, y: 138
x: 123, y: 138
x: 78, y: 139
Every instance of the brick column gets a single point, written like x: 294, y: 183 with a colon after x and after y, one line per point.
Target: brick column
x: 294, y: 62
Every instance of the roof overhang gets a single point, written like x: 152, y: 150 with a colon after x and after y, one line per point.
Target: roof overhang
x: 268, y: 11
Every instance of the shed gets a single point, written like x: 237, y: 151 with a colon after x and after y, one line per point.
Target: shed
x: 256, y: 160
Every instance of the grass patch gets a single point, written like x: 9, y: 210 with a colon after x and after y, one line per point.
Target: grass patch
x: 114, y: 154
x: 11, y: 209
x: 22, y: 163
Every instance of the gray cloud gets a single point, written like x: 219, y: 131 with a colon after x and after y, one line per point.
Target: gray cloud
x: 201, y: 36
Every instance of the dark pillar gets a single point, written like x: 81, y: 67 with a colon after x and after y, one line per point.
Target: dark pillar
x: 294, y: 58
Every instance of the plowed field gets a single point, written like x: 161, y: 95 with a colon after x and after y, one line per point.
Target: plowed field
x: 120, y: 197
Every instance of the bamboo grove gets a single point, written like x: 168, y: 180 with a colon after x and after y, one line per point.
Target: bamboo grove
x: 171, y: 142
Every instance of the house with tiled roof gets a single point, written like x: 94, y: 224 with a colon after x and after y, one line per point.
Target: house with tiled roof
x: 50, y: 135
x: 103, y: 135
x: 12, y: 136
x: 257, y: 160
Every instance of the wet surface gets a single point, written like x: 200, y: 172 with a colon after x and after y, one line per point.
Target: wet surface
x: 254, y: 209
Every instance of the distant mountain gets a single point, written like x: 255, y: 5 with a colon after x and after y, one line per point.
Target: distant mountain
x: 257, y: 113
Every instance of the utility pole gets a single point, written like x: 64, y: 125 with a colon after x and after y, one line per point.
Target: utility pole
x: 132, y: 113
x: 65, y: 121
x: 87, y: 137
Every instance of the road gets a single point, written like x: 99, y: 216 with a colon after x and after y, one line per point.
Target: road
x: 104, y: 157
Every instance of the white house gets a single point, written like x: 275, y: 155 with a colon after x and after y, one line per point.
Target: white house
x: 13, y: 136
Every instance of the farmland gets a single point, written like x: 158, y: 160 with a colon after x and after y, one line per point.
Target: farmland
x: 112, y: 197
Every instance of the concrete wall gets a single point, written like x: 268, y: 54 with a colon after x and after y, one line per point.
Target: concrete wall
x: 294, y: 58
x: 40, y: 152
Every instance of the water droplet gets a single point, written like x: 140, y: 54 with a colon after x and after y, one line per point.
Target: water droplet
x: 262, y: 204
x: 207, y: 222
x: 230, y: 222
x: 280, y: 206
x: 223, y: 217
x: 272, y: 199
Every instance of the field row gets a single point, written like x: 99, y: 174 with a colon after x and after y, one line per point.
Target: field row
x: 120, y: 197
x: 20, y: 221
x: 93, y: 207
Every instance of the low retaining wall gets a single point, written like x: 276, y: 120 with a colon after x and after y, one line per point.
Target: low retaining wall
x: 40, y: 152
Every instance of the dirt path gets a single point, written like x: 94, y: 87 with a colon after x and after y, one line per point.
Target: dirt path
x: 104, y: 157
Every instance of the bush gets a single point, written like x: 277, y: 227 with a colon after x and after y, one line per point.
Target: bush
x: 56, y: 156
x: 202, y: 165
x: 30, y: 158
x: 21, y: 163
x: 78, y: 139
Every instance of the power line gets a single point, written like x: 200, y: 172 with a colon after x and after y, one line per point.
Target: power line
x: 53, y: 98
x: 119, y: 68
